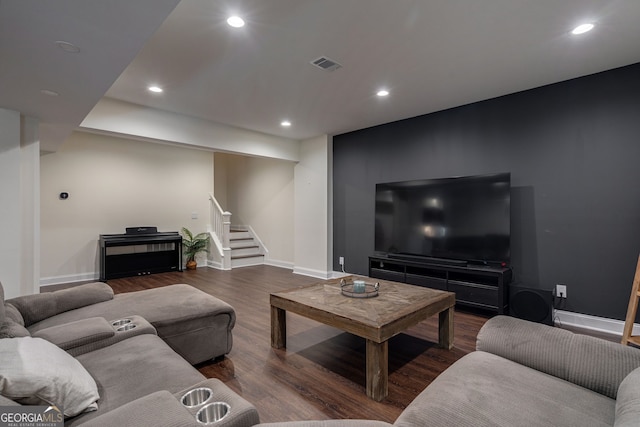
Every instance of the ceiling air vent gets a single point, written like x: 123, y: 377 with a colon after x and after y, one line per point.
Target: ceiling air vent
x: 326, y: 64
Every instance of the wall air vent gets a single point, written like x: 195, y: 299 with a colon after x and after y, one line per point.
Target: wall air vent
x: 326, y: 64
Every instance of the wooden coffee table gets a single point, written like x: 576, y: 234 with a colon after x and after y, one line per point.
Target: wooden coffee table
x: 396, y: 308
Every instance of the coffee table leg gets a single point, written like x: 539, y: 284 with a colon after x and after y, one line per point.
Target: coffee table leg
x: 278, y: 327
x: 445, y: 328
x: 377, y: 370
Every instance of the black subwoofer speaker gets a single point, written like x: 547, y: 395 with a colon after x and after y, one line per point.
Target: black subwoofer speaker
x: 531, y: 304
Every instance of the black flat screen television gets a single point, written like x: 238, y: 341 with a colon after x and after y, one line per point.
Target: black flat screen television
x: 465, y: 219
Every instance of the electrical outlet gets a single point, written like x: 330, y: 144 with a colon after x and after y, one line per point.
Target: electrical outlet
x: 341, y: 260
x: 561, y: 291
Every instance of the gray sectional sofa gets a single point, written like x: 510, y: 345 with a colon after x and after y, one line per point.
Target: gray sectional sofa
x: 196, y: 325
x: 119, y: 360
x: 525, y: 374
x: 521, y: 374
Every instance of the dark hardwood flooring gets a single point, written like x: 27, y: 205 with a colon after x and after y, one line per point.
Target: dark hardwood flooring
x: 321, y: 375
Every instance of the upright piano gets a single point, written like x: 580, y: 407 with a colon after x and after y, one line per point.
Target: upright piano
x: 139, y: 251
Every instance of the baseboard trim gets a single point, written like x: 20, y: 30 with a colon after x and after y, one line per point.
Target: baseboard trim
x: 215, y: 264
x: 592, y: 323
x: 277, y: 263
x: 320, y: 274
x: 339, y: 274
x: 70, y: 278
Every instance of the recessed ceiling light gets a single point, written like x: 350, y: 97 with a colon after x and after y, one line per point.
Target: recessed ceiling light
x: 235, y: 21
x: 49, y: 92
x: 382, y: 93
x: 285, y: 123
x: 581, y: 29
x: 155, y: 89
x: 67, y: 47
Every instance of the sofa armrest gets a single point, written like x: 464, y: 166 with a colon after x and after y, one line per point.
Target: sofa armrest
x: 84, y: 336
x: 628, y: 402
x: 37, y: 307
x: 589, y: 362
x: 78, y: 333
x: 328, y: 423
x: 159, y: 409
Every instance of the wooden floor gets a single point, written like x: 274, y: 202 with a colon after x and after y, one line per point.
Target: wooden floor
x: 321, y: 375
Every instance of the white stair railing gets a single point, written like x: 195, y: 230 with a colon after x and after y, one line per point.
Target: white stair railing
x: 221, y: 230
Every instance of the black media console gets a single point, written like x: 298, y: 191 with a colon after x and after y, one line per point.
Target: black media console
x: 477, y: 286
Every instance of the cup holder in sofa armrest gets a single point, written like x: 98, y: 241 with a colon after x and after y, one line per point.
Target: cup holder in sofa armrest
x: 77, y: 334
x: 196, y: 396
x: 127, y: 327
x: 213, y: 412
x: 132, y: 325
x: 120, y: 322
x: 211, y: 402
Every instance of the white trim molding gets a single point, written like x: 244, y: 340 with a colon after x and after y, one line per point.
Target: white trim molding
x: 313, y: 273
x: 339, y: 274
x: 277, y: 263
x: 592, y: 323
x: 215, y: 264
x: 69, y: 278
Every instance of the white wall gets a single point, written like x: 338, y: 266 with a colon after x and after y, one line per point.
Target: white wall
x: 30, y: 203
x: 220, y: 184
x: 19, y: 226
x: 10, y: 247
x: 259, y: 193
x: 312, y: 195
x: 115, y: 183
x: 122, y: 118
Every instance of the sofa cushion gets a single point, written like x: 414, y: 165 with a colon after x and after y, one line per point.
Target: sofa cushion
x: 573, y: 357
x: 482, y: 390
x: 628, y: 403
x: 36, y: 372
x: 133, y: 368
x: 11, y: 329
x: 37, y: 307
x: 11, y: 312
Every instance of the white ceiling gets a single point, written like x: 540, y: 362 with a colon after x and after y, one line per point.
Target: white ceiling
x: 430, y: 54
x: 109, y: 34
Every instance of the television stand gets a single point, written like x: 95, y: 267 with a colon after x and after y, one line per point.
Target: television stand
x: 474, y: 285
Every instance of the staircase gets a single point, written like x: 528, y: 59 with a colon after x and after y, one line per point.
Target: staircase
x: 233, y: 246
x: 245, y: 249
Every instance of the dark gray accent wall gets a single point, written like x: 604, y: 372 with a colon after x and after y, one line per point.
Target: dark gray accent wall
x: 573, y: 150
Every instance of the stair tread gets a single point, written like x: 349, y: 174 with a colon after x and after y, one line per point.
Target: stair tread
x: 246, y: 256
